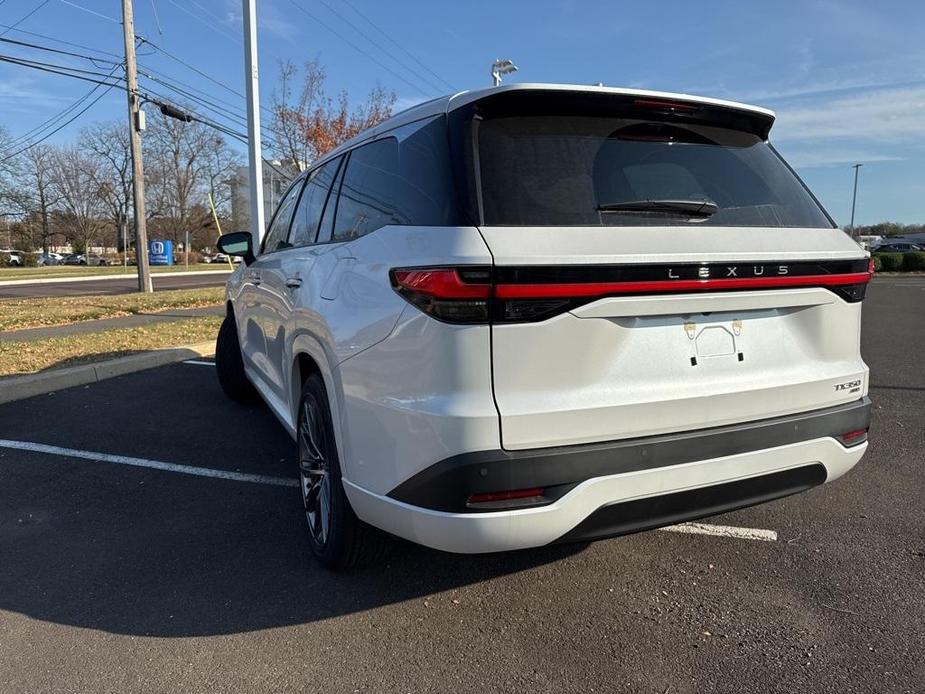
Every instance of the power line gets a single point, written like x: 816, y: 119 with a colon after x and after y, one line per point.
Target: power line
x: 57, y: 40
x: 39, y: 64
x: 224, y: 113
x: 411, y: 70
x: 37, y: 46
x: 43, y: 67
x: 396, y: 43
x: 66, y: 123
x: 356, y: 47
x: 93, y: 12
x: 51, y: 121
x: 404, y: 50
x: 25, y: 17
x: 182, y: 62
x: 199, y: 19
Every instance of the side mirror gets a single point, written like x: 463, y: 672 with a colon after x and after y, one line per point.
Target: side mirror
x: 239, y: 244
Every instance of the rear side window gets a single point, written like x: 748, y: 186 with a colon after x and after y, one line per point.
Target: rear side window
x: 541, y: 170
x: 401, y: 181
x: 279, y: 227
x: 307, y: 216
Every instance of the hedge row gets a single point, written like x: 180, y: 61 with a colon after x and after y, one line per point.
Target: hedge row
x: 899, y: 262
x: 28, y: 259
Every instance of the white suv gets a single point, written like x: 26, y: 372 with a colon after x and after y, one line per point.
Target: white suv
x: 540, y: 313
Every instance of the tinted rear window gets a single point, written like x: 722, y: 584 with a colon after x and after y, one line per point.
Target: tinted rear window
x: 555, y: 170
x: 401, y: 180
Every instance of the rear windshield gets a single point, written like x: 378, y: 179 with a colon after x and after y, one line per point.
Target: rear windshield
x: 555, y: 170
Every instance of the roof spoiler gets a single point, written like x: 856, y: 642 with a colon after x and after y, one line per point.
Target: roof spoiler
x: 627, y: 104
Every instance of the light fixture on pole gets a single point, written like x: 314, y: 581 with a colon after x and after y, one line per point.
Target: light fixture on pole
x: 501, y: 67
x: 854, y: 196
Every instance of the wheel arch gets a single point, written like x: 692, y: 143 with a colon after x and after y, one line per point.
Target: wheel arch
x: 309, y: 357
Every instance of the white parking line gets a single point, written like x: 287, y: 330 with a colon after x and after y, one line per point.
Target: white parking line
x: 691, y: 528
x: 197, y: 362
x: 724, y: 531
x: 144, y: 462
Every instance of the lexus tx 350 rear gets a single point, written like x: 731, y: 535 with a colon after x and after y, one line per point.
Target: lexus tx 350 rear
x: 603, y: 311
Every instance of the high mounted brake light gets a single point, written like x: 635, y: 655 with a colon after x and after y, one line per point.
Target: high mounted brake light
x: 665, y: 105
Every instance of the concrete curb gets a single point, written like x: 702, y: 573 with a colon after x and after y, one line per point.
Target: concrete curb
x: 99, y: 278
x: 21, y: 387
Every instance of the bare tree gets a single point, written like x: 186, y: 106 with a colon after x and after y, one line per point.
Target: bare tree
x: 292, y: 113
x: 31, y: 190
x: 306, y: 123
x: 183, y: 163
x: 108, y: 143
x: 75, y: 177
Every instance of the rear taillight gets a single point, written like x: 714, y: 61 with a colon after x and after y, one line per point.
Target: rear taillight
x: 853, y: 438
x: 515, y: 294
x: 456, y: 295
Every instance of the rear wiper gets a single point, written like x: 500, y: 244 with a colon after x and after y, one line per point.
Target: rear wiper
x: 694, y: 208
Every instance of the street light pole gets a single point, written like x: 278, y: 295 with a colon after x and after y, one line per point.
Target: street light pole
x: 135, y: 119
x: 854, y: 196
x: 251, y: 78
x: 501, y: 67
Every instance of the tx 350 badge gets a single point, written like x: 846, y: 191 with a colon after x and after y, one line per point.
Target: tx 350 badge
x: 849, y: 385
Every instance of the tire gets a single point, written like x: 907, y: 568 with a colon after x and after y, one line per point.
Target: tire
x: 338, y: 539
x: 230, y: 366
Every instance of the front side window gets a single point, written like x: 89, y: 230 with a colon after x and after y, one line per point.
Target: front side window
x: 311, y: 205
x: 560, y: 169
x: 278, y: 232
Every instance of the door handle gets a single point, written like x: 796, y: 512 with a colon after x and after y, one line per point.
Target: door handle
x: 293, y: 282
x: 254, y: 278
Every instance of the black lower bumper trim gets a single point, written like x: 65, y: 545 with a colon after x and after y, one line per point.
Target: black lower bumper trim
x: 668, y: 509
x: 446, y: 485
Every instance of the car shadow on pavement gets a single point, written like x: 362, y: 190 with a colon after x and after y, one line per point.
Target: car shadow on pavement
x: 140, y: 551
x: 151, y: 554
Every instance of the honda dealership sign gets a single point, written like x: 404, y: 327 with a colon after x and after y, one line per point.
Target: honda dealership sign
x: 160, y: 252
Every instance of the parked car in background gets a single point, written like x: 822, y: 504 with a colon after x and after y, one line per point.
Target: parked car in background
x: 50, y: 259
x: 81, y: 259
x: 899, y: 247
x: 14, y: 257
x: 223, y: 258
x: 549, y: 313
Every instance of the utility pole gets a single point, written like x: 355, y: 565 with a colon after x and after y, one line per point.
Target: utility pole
x: 254, y: 148
x: 854, y: 197
x: 135, y: 126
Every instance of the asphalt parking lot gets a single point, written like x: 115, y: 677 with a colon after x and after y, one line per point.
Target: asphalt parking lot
x: 120, y: 577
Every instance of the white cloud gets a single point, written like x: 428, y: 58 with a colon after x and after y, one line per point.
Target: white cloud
x: 886, y: 116
x: 804, y: 159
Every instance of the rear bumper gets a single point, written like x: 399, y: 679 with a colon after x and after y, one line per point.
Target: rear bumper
x: 447, y: 485
x: 590, y: 509
x: 625, y: 486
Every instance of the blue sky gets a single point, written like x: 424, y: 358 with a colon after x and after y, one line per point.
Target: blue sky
x: 847, y: 79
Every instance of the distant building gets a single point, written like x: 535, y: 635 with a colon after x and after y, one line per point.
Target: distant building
x: 275, y: 182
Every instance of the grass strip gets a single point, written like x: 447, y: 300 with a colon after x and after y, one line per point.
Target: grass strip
x: 59, y: 352
x: 55, y: 271
x: 41, y: 312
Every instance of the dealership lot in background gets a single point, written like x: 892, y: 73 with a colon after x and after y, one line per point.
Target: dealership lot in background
x: 120, y: 578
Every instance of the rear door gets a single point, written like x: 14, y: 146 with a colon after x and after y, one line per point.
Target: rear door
x: 654, y: 274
